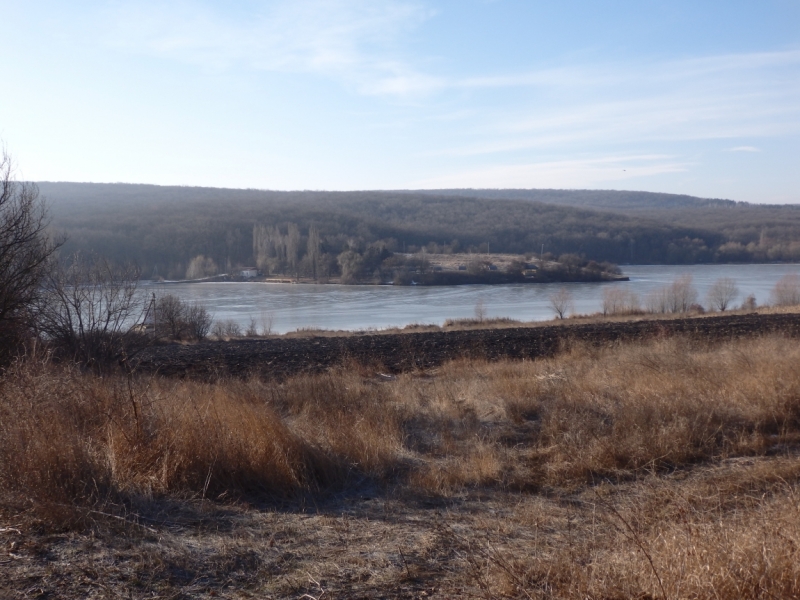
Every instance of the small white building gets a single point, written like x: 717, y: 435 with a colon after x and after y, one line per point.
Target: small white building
x: 249, y: 272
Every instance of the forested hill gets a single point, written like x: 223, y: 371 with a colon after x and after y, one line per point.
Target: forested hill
x: 753, y: 232
x: 163, y: 228
x: 614, y: 200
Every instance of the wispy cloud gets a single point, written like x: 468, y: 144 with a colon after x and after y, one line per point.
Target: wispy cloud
x: 728, y: 97
x: 578, y: 173
x: 511, y: 122
x: 364, y: 43
x: 349, y: 39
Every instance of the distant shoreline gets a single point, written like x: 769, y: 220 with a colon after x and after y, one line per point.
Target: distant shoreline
x: 337, y: 281
x: 429, y: 270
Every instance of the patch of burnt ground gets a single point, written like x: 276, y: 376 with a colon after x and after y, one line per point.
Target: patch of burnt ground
x: 280, y: 357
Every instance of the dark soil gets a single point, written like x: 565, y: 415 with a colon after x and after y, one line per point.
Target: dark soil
x: 281, y: 357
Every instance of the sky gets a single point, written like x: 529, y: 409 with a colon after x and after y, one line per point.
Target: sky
x: 691, y: 97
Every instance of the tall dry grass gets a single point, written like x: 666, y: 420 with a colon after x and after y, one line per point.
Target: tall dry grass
x: 607, y: 434
x: 728, y: 532
x: 587, y: 415
x: 607, y: 413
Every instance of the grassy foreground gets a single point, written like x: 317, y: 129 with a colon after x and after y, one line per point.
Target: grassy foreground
x: 667, y: 469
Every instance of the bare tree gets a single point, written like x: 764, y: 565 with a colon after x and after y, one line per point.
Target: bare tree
x: 480, y: 310
x: 619, y: 301
x: 350, y: 263
x: 293, y: 247
x: 749, y: 303
x: 266, y: 320
x: 223, y: 330
x: 177, y: 319
x: 89, y: 310
x: 171, y: 314
x: 722, y: 294
x: 201, y: 266
x: 198, y: 321
x: 787, y: 291
x: 656, y: 300
x: 682, y: 294
x: 677, y: 297
x: 25, y: 253
x: 313, y: 249
x: 561, y: 302
x: 252, y: 328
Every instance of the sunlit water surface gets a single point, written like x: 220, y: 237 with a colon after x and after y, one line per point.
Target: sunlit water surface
x: 288, y: 307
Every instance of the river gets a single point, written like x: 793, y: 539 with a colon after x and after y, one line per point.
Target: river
x: 287, y: 307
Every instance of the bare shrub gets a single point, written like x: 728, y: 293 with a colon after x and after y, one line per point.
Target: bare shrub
x: 89, y: 308
x: 787, y: 291
x: 223, y: 330
x: 561, y: 302
x: 171, y: 316
x: 722, y: 294
x: 480, y: 310
x: 656, y: 301
x: 266, y: 322
x: 198, y: 321
x: 478, y: 266
x: 178, y: 319
x: 620, y: 301
x: 252, y: 328
x: 682, y: 294
x: 678, y: 297
x: 749, y: 303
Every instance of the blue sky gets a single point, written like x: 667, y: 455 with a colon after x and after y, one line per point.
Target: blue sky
x: 698, y: 97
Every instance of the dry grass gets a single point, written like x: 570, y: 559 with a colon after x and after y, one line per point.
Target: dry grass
x: 731, y: 531
x: 586, y: 415
x: 664, y: 469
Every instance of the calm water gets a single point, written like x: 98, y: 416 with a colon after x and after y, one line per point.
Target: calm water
x: 289, y: 307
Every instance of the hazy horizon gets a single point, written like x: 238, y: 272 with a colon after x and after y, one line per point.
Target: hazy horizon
x: 377, y: 190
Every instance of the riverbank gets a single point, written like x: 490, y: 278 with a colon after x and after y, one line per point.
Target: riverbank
x: 281, y: 357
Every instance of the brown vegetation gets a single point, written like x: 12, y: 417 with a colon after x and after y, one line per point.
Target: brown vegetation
x: 658, y: 469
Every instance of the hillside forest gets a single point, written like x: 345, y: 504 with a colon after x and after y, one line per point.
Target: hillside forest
x: 183, y: 232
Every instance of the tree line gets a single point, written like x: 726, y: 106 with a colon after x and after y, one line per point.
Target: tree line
x: 165, y: 229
